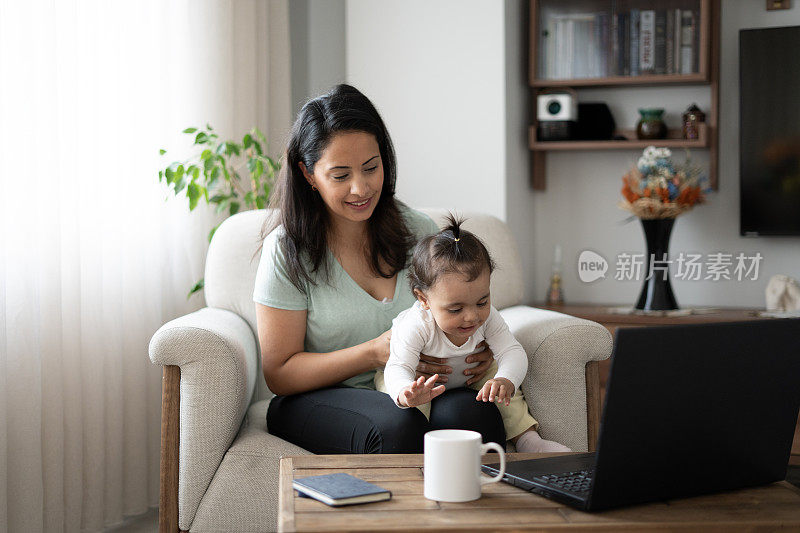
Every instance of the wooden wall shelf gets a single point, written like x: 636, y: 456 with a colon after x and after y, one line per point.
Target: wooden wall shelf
x: 679, y: 79
x: 707, y: 12
x: 673, y: 140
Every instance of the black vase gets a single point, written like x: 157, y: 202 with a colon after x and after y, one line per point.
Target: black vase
x: 657, y: 293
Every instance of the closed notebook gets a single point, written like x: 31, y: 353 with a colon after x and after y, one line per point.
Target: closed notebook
x: 340, y: 489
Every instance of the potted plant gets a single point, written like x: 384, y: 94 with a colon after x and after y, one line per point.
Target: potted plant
x: 215, y: 175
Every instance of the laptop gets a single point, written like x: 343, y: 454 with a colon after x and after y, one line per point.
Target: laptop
x: 689, y: 410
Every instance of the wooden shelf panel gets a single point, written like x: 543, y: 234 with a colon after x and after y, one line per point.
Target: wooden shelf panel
x: 673, y: 140
x: 688, y: 79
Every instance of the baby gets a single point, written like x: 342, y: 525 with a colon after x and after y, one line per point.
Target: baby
x: 449, y: 275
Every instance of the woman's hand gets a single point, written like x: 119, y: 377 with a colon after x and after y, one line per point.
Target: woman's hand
x: 429, y: 366
x: 380, y: 349
x: 478, y: 371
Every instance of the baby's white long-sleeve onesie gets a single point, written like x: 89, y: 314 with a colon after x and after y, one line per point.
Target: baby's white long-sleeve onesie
x: 414, y: 331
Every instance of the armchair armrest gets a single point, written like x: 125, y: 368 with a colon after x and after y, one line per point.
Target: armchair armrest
x: 561, y: 384
x: 216, y: 352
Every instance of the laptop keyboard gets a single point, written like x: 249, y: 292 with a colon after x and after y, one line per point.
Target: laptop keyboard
x: 578, y: 482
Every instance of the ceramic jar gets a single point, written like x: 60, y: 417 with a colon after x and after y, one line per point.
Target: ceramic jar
x: 651, y: 124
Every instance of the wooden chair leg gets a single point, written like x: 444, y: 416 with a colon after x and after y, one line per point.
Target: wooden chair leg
x: 170, y: 437
x: 592, y: 403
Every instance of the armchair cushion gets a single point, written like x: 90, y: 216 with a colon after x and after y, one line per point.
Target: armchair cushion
x: 244, y: 493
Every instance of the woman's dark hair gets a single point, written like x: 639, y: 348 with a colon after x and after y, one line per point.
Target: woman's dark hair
x: 451, y: 250
x: 302, y: 211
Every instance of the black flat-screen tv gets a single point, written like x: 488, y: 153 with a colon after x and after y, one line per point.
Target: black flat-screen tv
x: 769, y: 131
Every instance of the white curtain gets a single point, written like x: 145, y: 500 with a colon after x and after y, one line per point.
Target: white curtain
x: 92, y: 258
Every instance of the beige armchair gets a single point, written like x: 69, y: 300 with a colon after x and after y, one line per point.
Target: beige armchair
x: 219, y: 464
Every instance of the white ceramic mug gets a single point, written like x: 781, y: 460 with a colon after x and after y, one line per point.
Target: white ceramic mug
x: 453, y: 465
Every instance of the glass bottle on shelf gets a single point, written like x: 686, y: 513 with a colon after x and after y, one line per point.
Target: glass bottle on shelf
x: 555, y: 292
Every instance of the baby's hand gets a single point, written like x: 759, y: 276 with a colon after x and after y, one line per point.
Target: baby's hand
x: 498, y: 389
x: 420, y: 391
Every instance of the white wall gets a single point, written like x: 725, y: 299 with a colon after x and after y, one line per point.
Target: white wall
x: 317, y: 30
x: 520, y: 197
x: 435, y: 71
x: 578, y: 208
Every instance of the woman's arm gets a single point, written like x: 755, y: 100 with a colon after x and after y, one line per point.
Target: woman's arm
x: 290, y: 370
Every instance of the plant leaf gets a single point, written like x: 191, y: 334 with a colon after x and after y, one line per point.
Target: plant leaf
x: 197, y: 287
x: 161, y: 151
x: 223, y: 204
x: 259, y: 135
x: 190, y: 130
x: 233, y: 208
x: 208, y: 127
x: 247, y: 140
x: 213, y: 231
x: 260, y: 202
x: 272, y: 163
x: 180, y: 183
x: 232, y: 148
x: 170, y: 175
x: 206, y: 154
x: 201, y: 138
x: 193, y: 192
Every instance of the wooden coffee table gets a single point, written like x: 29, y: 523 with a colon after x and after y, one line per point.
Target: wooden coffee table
x: 505, y: 507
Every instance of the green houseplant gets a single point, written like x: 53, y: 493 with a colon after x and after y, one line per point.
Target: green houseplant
x: 214, y: 175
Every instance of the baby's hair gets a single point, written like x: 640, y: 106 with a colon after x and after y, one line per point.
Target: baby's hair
x: 451, y: 250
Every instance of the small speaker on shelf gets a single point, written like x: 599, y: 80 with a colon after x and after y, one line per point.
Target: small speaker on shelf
x: 556, y: 114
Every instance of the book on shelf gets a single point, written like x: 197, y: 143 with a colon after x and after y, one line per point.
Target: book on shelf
x: 670, y: 42
x: 634, y: 18
x: 573, y: 46
x: 647, y: 38
x: 619, y: 43
x: 687, y: 41
x: 660, y: 43
x: 625, y: 25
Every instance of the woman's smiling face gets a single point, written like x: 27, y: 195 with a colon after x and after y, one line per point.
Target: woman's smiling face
x: 349, y: 176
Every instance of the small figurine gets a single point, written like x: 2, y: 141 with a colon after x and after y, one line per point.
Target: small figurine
x: 691, y: 122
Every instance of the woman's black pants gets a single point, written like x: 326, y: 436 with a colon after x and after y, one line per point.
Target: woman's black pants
x: 348, y: 420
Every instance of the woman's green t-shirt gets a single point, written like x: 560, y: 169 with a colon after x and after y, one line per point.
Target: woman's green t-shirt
x: 340, y: 313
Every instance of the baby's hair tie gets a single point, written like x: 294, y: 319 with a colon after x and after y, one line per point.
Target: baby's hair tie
x: 457, y: 239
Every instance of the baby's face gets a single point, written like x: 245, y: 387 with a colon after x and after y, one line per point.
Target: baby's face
x: 459, y: 306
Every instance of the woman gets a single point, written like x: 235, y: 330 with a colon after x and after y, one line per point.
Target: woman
x: 332, y: 276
